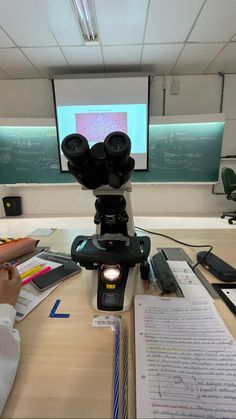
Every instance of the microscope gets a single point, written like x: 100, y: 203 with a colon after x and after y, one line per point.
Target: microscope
x: 114, y: 253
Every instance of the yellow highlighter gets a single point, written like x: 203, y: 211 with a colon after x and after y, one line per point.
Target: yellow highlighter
x: 31, y: 271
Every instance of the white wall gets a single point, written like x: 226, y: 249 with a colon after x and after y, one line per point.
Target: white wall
x: 229, y: 109
x: 2, y: 190
x: 146, y: 199
x: 26, y: 99
x: 198, y: 95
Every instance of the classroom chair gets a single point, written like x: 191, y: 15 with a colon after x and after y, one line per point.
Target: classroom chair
x: 229, y: 183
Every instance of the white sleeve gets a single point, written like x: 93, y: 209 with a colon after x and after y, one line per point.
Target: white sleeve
x: 9, y: 351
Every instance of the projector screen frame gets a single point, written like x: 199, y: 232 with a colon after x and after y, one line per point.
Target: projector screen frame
x: 103, y: 76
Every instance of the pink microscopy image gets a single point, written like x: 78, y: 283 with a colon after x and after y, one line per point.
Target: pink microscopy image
x: 96, y: 126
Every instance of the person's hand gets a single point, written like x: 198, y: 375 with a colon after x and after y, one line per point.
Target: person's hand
x: 9, y: 284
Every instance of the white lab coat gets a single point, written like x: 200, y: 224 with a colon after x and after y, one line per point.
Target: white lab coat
x: 9, y: 351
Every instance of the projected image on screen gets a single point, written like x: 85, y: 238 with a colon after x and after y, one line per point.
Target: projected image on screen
x: 96, y: 126
x: 96, y: 106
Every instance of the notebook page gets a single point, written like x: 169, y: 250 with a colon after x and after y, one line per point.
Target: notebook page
x: 185, y: 360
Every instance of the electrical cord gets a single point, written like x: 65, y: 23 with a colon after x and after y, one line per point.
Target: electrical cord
x: 179, y: 241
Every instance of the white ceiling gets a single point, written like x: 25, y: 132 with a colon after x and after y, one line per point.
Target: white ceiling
x: 41, y: 38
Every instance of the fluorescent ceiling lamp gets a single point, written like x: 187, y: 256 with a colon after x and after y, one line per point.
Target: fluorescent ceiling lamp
x: 85, y: 13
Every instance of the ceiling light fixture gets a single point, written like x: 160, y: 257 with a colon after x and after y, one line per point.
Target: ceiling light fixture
x: 85, y: 14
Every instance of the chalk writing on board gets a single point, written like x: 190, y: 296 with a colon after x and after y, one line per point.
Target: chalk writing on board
x: 176, y: 154
x: 29, y: 155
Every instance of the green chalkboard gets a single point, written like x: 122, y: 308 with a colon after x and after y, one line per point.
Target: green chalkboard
x: 183, y: 153
x: 177, y: 153
x: 30, y: 155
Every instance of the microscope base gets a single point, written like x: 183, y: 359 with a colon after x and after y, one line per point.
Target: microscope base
x: 117, y: 300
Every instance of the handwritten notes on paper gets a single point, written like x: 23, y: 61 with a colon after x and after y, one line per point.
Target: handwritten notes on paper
x: 185, y: 360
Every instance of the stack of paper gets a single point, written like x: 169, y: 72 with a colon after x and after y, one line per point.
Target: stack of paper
x: 185, y: 360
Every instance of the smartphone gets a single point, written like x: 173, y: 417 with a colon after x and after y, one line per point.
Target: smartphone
x: 56, y: 275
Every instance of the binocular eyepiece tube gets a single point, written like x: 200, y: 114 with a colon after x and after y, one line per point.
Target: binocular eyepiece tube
x: 107, y: 162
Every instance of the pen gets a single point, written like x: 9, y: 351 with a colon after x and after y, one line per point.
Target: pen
x: 31, y: 271
x: 43, y: 271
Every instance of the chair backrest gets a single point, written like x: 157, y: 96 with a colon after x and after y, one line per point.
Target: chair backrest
x: 228, y: 179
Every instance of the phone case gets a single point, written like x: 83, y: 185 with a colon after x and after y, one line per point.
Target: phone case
x: 218, y: 267
x: 51, y: 278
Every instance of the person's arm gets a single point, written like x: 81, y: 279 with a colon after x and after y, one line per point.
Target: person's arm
x: 9, y: 337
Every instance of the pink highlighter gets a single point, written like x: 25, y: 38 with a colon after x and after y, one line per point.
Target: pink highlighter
x: 43, y: 271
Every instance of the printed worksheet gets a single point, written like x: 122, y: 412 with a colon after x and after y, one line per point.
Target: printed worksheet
x: 185, y: 360
x: 187, y: 280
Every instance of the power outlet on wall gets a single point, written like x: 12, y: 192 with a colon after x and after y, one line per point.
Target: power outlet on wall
x: 175, y: 87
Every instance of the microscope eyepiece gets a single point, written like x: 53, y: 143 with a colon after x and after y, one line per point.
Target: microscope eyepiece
x: 76, y: 149
x: 74, y: 144
x: 117, y: 144
x: 107, y: 162
x: 120, y: 165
